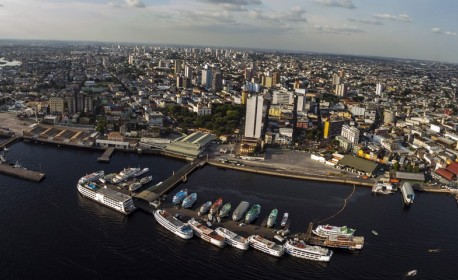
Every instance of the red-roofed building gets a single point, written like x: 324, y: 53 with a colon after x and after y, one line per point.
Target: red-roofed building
x: 453, y: 168
x: 445, y: 174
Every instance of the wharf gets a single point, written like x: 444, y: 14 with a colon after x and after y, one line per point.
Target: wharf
x: 106, y: 155
x: 155, y: 192
x: 228, y: 223
x: 8, y: 142
x: 22, y: 173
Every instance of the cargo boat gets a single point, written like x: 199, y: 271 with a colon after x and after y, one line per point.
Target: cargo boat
x: 188, y: 202
x: 179, y: 196
x: 284, y: 219
x: 204, y: 208
x: 253, y: 213
x: 272, y: 218
x: 240, y: 211
x: 207, y: 234
x: 216, y: 206
x: 407, y: 193
x: 224, y: 212
x: 338, y: 241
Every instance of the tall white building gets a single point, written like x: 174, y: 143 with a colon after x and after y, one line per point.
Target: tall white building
x: 350, y: 133
x: 207, y: 78
x: 188, y: 72
x: 379, y: 89
x: 253, y: 118
x: 177, y: 66
x: 341, y: 90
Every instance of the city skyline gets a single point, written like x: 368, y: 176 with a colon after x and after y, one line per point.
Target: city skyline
x: 396, y: 28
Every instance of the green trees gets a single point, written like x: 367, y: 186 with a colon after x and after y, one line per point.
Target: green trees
x: 225, y: 118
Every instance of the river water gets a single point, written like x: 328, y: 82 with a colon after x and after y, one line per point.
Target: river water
x: 49, y: 231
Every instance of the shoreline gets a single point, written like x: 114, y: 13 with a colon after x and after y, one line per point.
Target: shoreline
x: 270, y: 171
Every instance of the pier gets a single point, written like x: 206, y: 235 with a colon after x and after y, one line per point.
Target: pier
x: 106, y: 155
x: 22, y: 173
x: 155, y: 192
x: 8, y: 142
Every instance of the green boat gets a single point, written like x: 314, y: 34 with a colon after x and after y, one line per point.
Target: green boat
x: 272, y: 218
x: 224, y: 212
x: 253, y: 213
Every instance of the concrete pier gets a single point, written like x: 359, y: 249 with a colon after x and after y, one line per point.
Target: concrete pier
x: 106, y: 155
x: 22, y: 173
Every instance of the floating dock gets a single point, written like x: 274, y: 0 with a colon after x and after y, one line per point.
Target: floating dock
x: 106, y: 155
x: 22, y: 173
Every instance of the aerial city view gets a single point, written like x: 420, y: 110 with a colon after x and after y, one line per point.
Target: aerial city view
x: 250, y: 139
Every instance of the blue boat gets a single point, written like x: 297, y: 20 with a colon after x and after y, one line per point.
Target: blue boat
x: 189, y: 200
x: 179, y: 196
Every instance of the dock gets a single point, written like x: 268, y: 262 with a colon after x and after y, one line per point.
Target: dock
x: 22, y: 173
x: 155, y: 192
x: 106, y: 155
x: 8, y: 142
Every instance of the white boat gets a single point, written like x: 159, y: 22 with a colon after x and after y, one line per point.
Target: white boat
x: 327, y: 230
x: 135, y: 186
x: 412, y: 273
x: 141, y: 172
x: 146, y: 180
x: 233, y: 239
x: 383, y: 188
x: 301, y: 250
x: 407, y: 193
x: 171, y: 223
x: 266, y: 246
x: 108, y: 197
x: 206, y: 233
x: 284, y: 219
x: 125, y: 174
x: 92, y: 177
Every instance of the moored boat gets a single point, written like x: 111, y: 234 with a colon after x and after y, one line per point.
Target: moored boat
x: 224, y: 212
x: 108, y: 197
x: 204, y: 208
x: 266, y: 246
x: 171, y: 223
x: 240, y: 211
x: 253, y: 213
x: 134, y: 186
x: 233, y: 239
x: 207, y: 234
x: 301, y: 250
x: 92, y: 177
x: 272, y: 219
x: 326, y: 230
x: 146, y: 180
x: 179, y: 196
x: 284, y: 220
x: 188, y: 202
x: 141, y: 172
x: 216, y: 206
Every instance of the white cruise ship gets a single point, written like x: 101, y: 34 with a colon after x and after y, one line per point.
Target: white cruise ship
x: 108, y: 197
x: 206, y: 233
x: 171, y: 223
x: 233, y: 239
x: 266, y: 246
x: 302, y: 250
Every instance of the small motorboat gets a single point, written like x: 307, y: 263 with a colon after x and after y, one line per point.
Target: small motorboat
x: 374, y: 232
x: 412, y: 273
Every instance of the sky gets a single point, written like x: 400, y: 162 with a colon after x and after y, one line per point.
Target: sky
x: 418, y: 29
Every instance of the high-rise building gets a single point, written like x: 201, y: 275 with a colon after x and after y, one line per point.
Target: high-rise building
x: 207, y: 78
x: 188, y: 72
x: 332, y: 128
x: 275, y: 78
x: 341, y: 90
x: 56, y: 105
x: 80, y: 102
x: 351, y: 133
x: 335, y: 79
x: 379, y: 89
x: 217, y: 82
x: 71, y: 104
x: 179, y: 81
x: 177, y: 66
x: 253, y: 118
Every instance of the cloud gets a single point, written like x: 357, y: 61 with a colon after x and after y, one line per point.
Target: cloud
x: 450, y: 33
x: 366, y: 21
x: 295, y: 14
x: 1, y: 5
x: 135, y: 3
x: 401, y: 17
x: 348, y: 4
x: 436, y: 30
x: 344, y: 29
x: 233, y: 2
